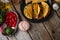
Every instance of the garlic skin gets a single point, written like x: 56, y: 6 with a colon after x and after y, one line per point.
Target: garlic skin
x: 24, y: 26
x: 5, y: 1
x: 55, y: 6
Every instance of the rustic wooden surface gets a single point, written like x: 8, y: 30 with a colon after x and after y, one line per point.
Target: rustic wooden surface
x: 48, y: 30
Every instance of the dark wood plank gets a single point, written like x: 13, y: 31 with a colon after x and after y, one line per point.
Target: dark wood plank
x: 53, y: 26
x: 38, y: 32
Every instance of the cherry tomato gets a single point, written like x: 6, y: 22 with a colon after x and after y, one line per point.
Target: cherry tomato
x: 11, y: 19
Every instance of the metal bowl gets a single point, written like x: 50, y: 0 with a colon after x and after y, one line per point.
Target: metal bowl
x: 36, y: 20
x: 15, y: 29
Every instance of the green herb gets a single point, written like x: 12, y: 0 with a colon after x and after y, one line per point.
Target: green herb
x: 8, y: 31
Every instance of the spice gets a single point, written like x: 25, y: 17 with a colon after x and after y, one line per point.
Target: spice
x: 24, y: 26
x: 5, y: 6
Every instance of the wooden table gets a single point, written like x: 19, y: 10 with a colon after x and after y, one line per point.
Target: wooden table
x: 48, y: 30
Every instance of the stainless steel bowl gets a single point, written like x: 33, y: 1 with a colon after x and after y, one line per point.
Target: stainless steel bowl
x: 16, y: 25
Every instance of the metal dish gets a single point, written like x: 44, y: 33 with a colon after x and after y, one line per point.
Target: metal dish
x: 36, y: 20
x: 15, y: 27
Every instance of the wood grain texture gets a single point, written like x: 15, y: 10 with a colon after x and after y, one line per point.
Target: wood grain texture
x: 38, y: 32
x: 2, y: 37
x: 53, y: 26
x: 23, y: 36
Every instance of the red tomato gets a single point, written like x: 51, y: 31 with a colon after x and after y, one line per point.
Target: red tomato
x: 14, y: 25
x: 11, y: 19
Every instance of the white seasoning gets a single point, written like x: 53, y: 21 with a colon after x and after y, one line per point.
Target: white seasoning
x: 24, y: 26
